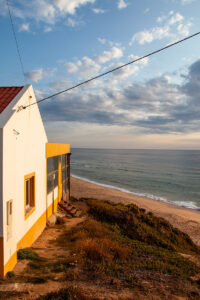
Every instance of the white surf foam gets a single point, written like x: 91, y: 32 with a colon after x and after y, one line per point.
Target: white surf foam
x: 186, y: 204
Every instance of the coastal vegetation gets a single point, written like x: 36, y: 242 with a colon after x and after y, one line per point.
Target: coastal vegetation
x: 126, y: 247
x: 117, y: 250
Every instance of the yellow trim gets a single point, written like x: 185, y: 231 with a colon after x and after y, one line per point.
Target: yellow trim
x: 54, y: 149
x: 53, y: 207
x: 1, y: 258
x: 10, y: 263
x: 33, y: 233
x: 49, y: 210
x: 56, y: 204
x: 27, y: 240
x: 27, y: 214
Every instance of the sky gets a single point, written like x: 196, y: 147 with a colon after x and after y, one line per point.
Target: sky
x: 152, y: 104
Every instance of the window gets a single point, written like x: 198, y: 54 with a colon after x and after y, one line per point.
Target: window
x: 65, y: 173
x: 52, y: 173
x: 29, y: 187
x: 9, y: 209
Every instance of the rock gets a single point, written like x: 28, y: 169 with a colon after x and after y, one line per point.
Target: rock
x: 51, y: 220
x: 60, y: 214
x: 78, y: 213
x: 60, y: 220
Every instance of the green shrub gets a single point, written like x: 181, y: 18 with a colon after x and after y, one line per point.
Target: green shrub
x: 11, y: 274
x: 27, y: 254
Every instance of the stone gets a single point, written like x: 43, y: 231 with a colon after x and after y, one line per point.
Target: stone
x: 51, y: 220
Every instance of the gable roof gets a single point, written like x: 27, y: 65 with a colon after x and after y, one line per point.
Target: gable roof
x: 7, y: 94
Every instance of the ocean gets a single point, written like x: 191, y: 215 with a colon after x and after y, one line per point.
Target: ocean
x: 162, y: 175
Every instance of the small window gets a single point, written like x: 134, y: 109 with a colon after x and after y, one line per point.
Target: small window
x: 9, y: 218
x: 29, y: 194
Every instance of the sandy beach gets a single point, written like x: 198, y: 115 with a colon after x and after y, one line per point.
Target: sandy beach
x: 187, y: 220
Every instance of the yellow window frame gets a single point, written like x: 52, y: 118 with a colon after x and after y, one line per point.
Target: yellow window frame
x: 31, y: 209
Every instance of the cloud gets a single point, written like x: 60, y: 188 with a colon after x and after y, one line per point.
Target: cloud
x: 147, y: 36
x: 39, y: 74
x: 114, y: 53
x: 60, y: 85
x: 24, y: 27
x: 173, y: 28
x: 184, y: 29
x: 98, y: 10
x: 70, y: 6
x: 72, y: 22
x: 176, y: 19
x: 73, y: 67
x: 35, y: 75
x: 39, y: 94
x: 47, y: 29
x: 86, y: 66
x: 146, y: 10
x: 192, y: 85
x: 102, y: 41
x: 186, y: 1
x: 45, y: 11
x: 156, y: 106
x: 122, y: 4
x: 89, y: 67
x: 162, y: 18
x: 126, y: 72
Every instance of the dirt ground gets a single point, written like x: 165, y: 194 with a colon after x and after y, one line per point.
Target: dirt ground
x: 45, y: 247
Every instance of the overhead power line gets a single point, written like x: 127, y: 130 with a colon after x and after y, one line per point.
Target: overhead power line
x: 113, y: 70
x: 16, y: 42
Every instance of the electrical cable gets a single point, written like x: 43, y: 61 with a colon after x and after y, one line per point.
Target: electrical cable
x: 113, y: 70
x: 16, y: 42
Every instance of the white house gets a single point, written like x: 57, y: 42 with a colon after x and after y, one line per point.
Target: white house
x: 34, y: 174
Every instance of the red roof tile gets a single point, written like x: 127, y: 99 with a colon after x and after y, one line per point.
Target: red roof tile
x: 7, y: 94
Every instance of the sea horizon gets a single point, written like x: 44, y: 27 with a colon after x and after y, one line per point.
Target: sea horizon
x: 165, y: 149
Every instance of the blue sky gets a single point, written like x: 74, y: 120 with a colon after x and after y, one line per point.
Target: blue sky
x: 151, y: 104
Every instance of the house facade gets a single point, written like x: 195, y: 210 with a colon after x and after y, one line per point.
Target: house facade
x: 34, y: 174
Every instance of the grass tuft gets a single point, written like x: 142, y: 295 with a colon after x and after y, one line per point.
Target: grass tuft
x: 70, y: 293
x: 11, y: 274
x: 39, y: 279
x: 102, y: 250
x: 27, y: 254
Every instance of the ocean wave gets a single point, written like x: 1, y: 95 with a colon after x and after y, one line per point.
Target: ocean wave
x: 152, y: 197
x: 186, y: 204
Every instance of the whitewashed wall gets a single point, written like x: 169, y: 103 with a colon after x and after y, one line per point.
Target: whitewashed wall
x: 1, y: 181
x: 24, y: 141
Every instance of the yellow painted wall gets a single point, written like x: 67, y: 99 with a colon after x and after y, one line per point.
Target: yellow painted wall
x: 54, y: 149
x: 27, y: 240
x: 33, y: 233
x: 1, y: 257
x: 10, y: 264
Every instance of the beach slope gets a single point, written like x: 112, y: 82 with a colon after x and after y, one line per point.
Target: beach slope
x: 187, y: 220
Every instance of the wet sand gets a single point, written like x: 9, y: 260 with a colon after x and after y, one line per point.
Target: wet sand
x: 185, y: 219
